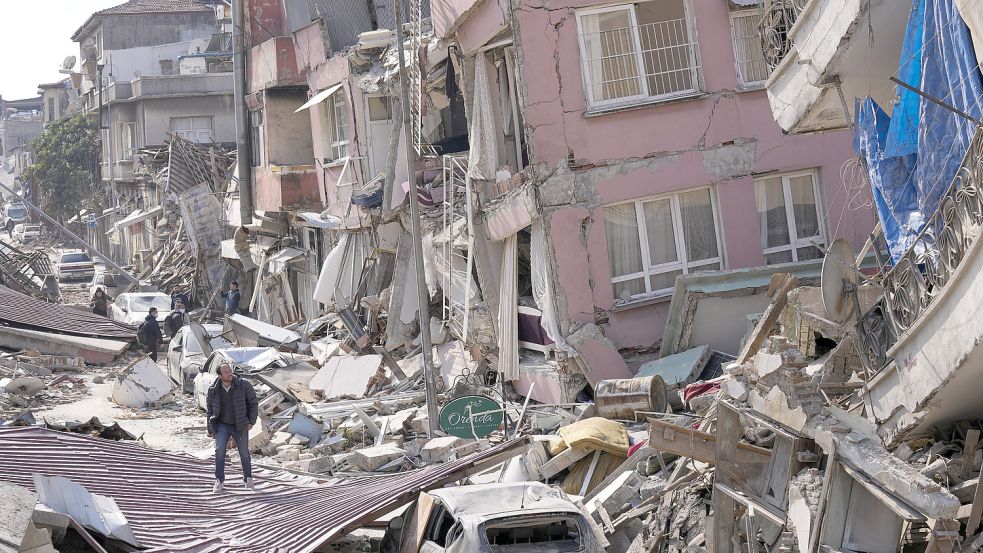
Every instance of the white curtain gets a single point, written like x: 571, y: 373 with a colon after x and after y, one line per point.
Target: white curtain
x: 590, y: 29
x: 624, y: 249
x: 483, y: 157
x: 542, y: 286
x: 508, y: 312
x: 330, y: 271
x: 696, y: 213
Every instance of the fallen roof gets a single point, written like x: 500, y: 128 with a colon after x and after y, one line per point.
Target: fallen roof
x: 20, y: 310
x: 167, y: 500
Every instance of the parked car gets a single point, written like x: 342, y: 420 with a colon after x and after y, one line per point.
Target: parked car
x: 13, y: 213
x: 133, y: 307
x: 186, y: 356
x: 243, y: 360
x: 74, y: 265
x: 111, y: 284
x: 25, y: 233
x: 519, y: 517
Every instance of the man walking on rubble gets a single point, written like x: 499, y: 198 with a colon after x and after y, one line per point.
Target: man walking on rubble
x: 232, y: 298
x: 232, y: 409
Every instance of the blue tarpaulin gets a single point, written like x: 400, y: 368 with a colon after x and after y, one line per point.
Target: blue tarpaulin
x: 895, y: 196
x: 913, y: 156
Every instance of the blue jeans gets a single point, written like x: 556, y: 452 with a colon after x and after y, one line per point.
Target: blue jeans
x: 223, y: 432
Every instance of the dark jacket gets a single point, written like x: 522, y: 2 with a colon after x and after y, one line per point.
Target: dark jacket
x: 174, y: 321
x: 184, y: 299
x: 154, y: 335
x: 231, y: 301
x: 243, y: 399
x: 100, y: 306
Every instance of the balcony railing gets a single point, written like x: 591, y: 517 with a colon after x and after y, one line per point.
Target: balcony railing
x: 778, y: 16
x: 920, y: 276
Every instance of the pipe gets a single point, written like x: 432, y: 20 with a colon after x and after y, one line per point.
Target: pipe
x: 244, y: 153
x: 423, y: 314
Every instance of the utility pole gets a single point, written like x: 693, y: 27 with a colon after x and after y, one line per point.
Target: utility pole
x: 243, y: 151
x: 421, y: 284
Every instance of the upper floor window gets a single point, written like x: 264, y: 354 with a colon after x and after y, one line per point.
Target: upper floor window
x: 128, y: 139
x: 790, y: 216
x: 652, y: 241
x: 749, y: 53
x: 195, y: 129
x: 638, y: 52
x: 256, y: 138
x: 337, y: 113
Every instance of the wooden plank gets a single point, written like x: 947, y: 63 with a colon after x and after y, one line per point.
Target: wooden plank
x: 415, y: 525
x: 562, y: 461
x: 387, y: 358
x: 774, y: 515
x: 976, y: 512
x: 770, y: 316
x: 969, y: 452
x: 700, y: 446
x: 643, y: 452
x: 899, y: 507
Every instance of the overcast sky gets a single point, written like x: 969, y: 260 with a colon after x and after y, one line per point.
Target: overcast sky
x: 35, y: 37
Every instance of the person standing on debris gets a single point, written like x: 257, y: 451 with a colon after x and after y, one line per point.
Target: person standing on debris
x: 175, y: 319
x: 181, y: 296
x: 100, y: 303
x: 232, y: 409
x: 149, y: 335
x: 232, y: 298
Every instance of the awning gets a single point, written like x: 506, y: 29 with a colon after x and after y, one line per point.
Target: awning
x: 137, y: 216
x: 278, y: 261
x: 319, y: 97
x: 321, y: 221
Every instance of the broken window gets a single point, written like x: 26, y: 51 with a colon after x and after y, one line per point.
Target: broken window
x: 637, y: 52
x: 651, y: 242
x: 127, y: 139
x: 749, y: 53
x: 334, y: 113
x: 195, y: 129
x: 556, y: 535
x: 790, y: 218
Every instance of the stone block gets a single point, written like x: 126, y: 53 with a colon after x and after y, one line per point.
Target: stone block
x: 440, y: 450
x: 373, y: 458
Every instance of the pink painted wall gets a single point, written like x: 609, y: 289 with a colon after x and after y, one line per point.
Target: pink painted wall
x: 274, y: 63
x: 293, y: 189
x: 673, y: 140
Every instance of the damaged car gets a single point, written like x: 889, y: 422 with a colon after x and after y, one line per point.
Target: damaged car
x: 188, y: 350
x: 492, y: 518
x: 243, y: 361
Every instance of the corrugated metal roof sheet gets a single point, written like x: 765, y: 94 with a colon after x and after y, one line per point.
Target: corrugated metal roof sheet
x: 168, y: 502
x: 156, y: 6
x: 19, y: 310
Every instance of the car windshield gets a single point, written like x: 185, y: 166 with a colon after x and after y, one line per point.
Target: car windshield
x: 143, y: 303
x: 17, y: 212
x: 32, y: 228
x: 75, y: 258
x: 107, y: 280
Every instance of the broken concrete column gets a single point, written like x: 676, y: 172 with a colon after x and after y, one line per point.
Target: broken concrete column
x: 373, y: 458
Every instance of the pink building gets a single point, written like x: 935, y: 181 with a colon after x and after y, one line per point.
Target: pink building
x: 647, y: 139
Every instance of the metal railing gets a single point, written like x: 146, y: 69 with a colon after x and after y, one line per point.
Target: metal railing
x: 456, y: 220
x: 921, y: 274
x: 778, y: 16
x: 660, y: 59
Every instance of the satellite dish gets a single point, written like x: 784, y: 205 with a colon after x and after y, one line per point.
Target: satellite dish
x: 68, y: 63
x: 838, y: 281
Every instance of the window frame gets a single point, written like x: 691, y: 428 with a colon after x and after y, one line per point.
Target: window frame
x: 127, y: 151
x: 257, y: 138
x: 340, y: 141
x: 682, y: 262
x: 794, y: 241
x: 594, y: 105
x: 741, y: 83
x: 196, y: 131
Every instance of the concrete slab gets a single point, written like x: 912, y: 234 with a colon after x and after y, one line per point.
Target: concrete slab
x: 96, y: 351
x: 678, y: 369
x: 346, y: 376
x: 373, y: 458
x: 141, y: 383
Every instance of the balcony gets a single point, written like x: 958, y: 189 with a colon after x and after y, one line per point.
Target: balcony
x: 921, y: 343
x: 824, y: 53
x: 274, y: 63
x: 282, y: 187
x: 162, y: 86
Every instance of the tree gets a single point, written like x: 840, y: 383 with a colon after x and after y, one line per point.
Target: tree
x: 64, y: 167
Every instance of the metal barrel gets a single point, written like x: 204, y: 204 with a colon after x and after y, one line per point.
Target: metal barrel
x: 622, y: 398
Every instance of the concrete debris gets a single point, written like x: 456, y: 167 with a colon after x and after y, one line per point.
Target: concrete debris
x: 141, y: 384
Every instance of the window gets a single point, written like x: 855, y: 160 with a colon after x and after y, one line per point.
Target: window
x: 749, y: 53
x: 790, y: 217
x: 637, y: 52
x: 51, y: 109
x: 195, y: 129
x: 127, y: 139
x: 651, y: 242
x: 337, y: 111
x: 256, y: 137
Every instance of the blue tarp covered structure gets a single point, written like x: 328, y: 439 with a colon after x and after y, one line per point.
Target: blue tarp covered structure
x: 912, y: 161
x: 895, y: 196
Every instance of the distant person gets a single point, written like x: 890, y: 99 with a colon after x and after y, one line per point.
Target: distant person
x: 149, y: 335
x: 232, y: 409
x: 232, y: 298
x: 100, y: 303
x: 180, y: 295
x: 175, y: 319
